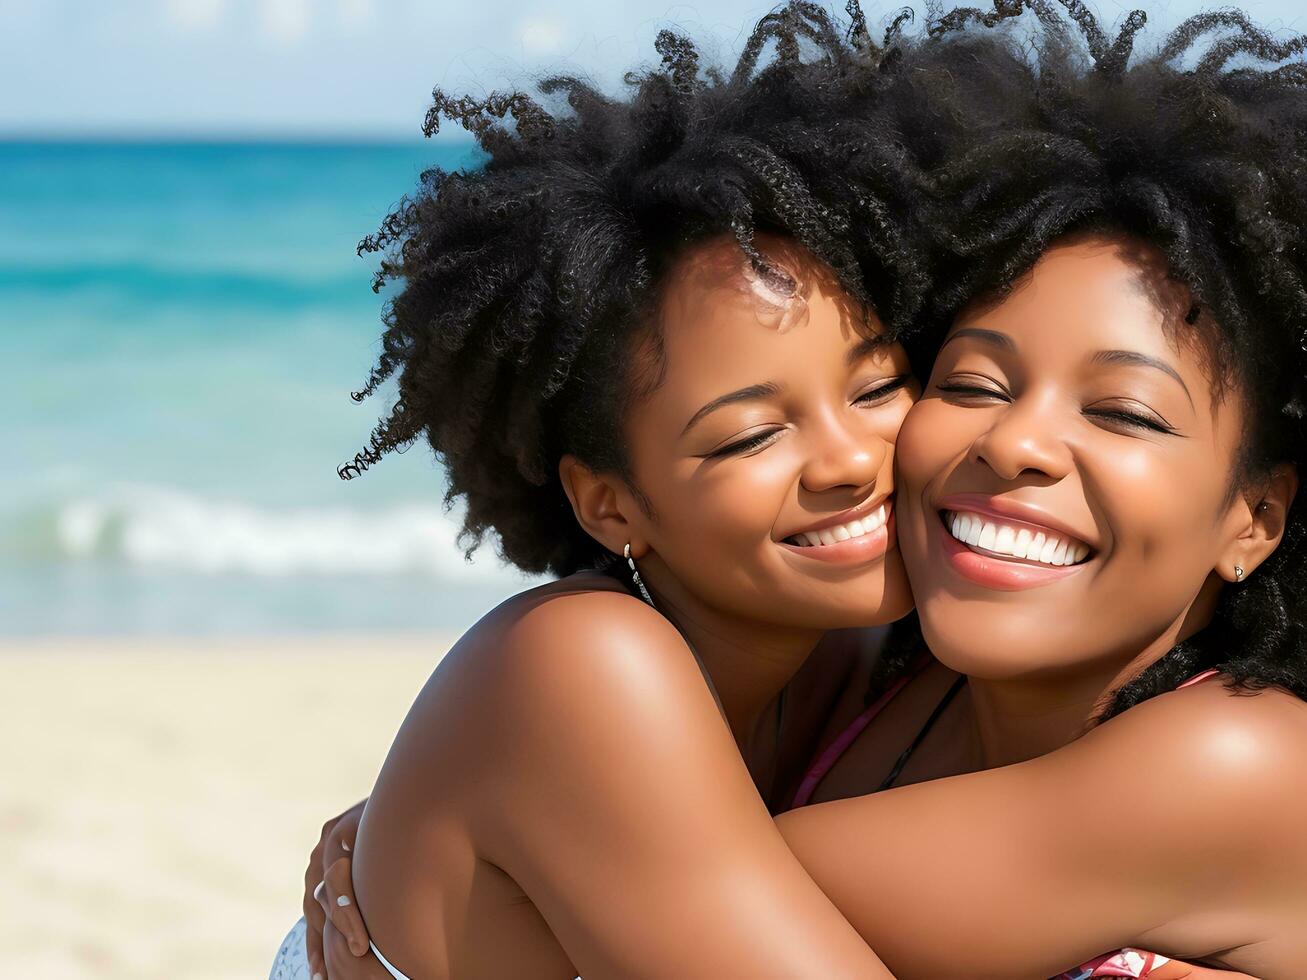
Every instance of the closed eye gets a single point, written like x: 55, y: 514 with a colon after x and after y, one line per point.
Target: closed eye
x: 971, y: 391
x: 1131, y: 419
x: 883, y: 391
x: 746, y: 445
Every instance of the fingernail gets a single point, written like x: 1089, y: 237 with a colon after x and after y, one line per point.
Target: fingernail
x: 342, y: 900
x: 317, y: 893
x: 344, y: 846
x: 317, y: 976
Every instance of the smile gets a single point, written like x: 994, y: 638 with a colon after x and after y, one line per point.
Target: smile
x: 855, y: 528
x: 1007, y: 545
x: 998, y: 538
x: 851, y: 538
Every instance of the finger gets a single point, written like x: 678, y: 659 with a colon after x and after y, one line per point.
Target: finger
x: 314, y: 914
x: 340, y: 842
x: 342, y: 964
x: 315, y: 917
x: 341, y: 908
x: 313, y: 946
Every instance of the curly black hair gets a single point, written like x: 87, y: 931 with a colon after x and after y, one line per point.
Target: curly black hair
x: 526, y: 283
x: 1198, y: 149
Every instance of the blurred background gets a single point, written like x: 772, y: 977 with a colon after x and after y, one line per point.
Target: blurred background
x: 207, y: 640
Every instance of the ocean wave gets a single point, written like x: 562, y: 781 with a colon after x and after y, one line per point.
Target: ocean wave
x: 207, y: 287
x: 168, y: 528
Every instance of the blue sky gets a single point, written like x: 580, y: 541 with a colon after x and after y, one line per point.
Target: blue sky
x: 347, y: 67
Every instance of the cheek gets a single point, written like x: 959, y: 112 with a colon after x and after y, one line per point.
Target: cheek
x: 933, y: 435
x: 1162, y: 509
x: 729, y: 504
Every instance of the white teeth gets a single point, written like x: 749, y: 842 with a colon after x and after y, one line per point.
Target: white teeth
x: 1019, y: 542
x: 973, y: 530
x: 1036, y: 547
x: 1004, y: 540
x: 844, y: 532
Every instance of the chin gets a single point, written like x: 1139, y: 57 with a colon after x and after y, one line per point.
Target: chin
x: 870, y: 609
x: 997, y: 647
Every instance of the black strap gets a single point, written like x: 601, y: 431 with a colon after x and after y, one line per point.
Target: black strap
x: 921, y: 735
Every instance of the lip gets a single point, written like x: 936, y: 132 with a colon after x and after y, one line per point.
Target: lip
x: 1015, y: 512
x: 997, y: 573
x: 853, y: 513
x: 855, y: 551
x: 994, y: 571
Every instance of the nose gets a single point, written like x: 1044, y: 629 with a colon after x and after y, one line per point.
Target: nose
x: 1024, y: 439
x: 843, y: 456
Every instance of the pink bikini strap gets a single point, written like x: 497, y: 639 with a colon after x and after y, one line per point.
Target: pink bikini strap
x: 1199, y: 678
x: 827, y: 759
x: 831, y: 754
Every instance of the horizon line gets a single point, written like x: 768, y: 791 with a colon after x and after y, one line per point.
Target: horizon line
x: 143, y: 136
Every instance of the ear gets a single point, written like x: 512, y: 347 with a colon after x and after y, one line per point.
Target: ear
x: 1261, y: 517
x: 604, y: 506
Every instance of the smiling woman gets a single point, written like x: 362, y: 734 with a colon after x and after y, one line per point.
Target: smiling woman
x: 1096, y: 509
x: 1072, y: 504
x: 646, y: 328
x: 1087, y: 443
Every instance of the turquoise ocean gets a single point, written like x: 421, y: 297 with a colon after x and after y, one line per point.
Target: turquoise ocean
x: 180, y: 327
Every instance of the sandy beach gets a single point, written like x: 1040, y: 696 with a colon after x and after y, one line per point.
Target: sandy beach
x: 158, y: 798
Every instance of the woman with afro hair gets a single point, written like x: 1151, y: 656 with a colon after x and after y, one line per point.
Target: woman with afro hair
x: 1092, y: 498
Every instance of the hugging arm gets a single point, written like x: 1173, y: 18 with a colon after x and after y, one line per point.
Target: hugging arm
x: 607, y: 786
x: 1173, y: 827
x: 683, y: 871
x: 649, y: 851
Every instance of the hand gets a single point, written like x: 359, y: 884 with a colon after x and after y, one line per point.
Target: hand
x: 327, y: 885
x: 343, y: 964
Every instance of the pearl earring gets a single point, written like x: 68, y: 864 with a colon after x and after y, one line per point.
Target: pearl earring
x: 635, y: 575
x: 1238, y: 573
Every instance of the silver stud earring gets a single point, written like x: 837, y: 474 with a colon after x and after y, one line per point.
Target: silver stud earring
x: 635, y: 575
x: 1238, y: 573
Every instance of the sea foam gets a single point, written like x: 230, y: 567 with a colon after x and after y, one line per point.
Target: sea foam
x: 166, y: 527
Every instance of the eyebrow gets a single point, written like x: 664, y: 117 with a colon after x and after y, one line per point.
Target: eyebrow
x: 1142, y: 360
x: 766, y: 389
x: 992, y: 337
x: 769, y: 389
x: 1002, y: 341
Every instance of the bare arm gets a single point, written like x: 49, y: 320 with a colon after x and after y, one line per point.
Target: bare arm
x: 1173, y: 827
x: 594, y: 768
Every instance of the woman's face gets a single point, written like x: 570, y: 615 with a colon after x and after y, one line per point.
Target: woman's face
x: 766, y: 452
x: 1064, y: 481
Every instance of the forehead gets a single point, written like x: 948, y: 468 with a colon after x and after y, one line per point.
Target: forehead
x: 1096, y: 295
x: 714, y: 302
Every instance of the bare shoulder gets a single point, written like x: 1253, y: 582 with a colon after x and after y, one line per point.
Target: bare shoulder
x: 582, y: 626
x: 1213, y: 729
x: 574, y: 660
x: 1229, y: 761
